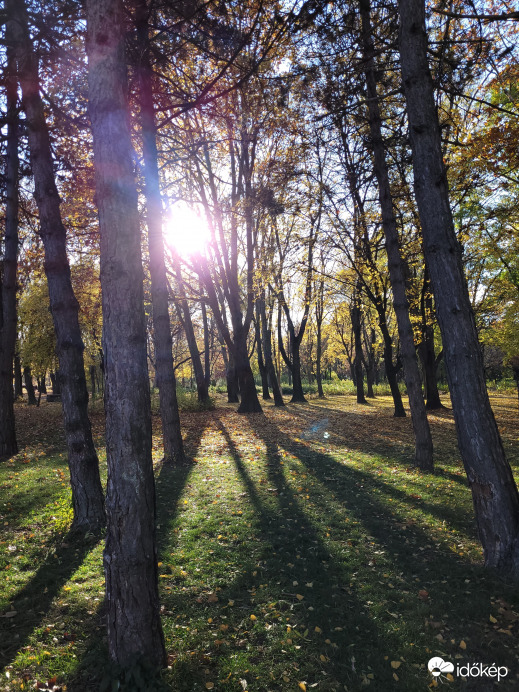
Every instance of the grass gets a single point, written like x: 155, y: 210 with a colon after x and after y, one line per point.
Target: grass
x: 299, y: 550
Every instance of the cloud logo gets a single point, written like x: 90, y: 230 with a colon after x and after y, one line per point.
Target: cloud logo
x: 437, y: 666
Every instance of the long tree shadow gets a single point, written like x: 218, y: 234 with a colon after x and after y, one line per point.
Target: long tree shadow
x: 438, y: 572
x: 94, y: 666
x: 296, y: 556
x: 34, y: 600
x: 392, y: 438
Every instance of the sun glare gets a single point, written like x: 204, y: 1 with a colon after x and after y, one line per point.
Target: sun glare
x: 186, y: 230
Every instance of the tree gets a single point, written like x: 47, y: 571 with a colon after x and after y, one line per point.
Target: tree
x: 8, y: 271
x: 130, y: 557
x: 171, y: 433
x: 396, y: 264
x: 87, y: 493
x: 494, y: 493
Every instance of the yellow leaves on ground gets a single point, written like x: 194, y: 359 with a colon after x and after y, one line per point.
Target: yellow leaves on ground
x: 299, y: 597
x: 318, y: 630
x: 396, y: 664
x: 302, y: 686
x: 253, y: 617
x: 492, y: 619
x: 209, y: 685
x: 463, y: 645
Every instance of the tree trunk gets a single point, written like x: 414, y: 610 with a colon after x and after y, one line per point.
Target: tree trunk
x: 266, y: 337
x: 187, y: 323
x: 261, y: 363
x: 165, y: 373
x: 55, y: 382
x: 231, y: 378
x: 423, y: 457
x: 8, y: 324
x: 298, y: 396
x: 318, y: 357
x: 92, y: 371
x: 390, y: 368
x: 207, y: 350
x: 41, y: 384
x: 249, y: 402
x: 494, y: 493
x: 130, y: 557
x: 18, y: 383
x: 87, y: 492
x: 370, y: 364
x: 514, y: 362
x: 29, y: 386
x: 357, y: 363
x: 430, y: 360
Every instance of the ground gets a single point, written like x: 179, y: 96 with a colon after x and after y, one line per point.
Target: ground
x: 299, y: 549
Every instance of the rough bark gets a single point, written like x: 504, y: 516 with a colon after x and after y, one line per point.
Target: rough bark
x: 163, y: 343
x: 423, y: 456
x: 130, y: 557
x: 8, y: 444
x: 494, y: 493
x: 87, y: 493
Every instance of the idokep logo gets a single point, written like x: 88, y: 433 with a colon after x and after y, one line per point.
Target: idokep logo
x: 437, y: 666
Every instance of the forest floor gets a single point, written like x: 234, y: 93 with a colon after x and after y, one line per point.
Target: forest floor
x: 298, y: 550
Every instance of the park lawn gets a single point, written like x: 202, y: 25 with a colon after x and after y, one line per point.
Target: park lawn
x: 297, y: 550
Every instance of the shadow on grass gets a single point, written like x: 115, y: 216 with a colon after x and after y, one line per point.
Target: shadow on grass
x: 169, y: 485
x: 307, y: 573
x: 458, y: 591
x: 33, y: 601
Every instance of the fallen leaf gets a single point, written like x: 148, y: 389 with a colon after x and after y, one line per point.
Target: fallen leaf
x: 463, y: 645
x: 396, y: 664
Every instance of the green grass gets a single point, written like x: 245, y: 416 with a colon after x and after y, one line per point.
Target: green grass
x: 299, y: 549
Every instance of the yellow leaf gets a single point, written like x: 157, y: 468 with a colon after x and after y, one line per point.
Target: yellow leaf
x: 253, y: 617
x: 299, y: 597
x: 396, y: 664
x: 318, y: 629
x: 450, y: 677
x: 286, y: 679
x: 323, y: 658
x: 302, y: 686
x: 209, y: 685
x: 493, y: 619
x: 395, y: 676
x: 463, y: 645
x: 231, y: 603
x: 209, y: 619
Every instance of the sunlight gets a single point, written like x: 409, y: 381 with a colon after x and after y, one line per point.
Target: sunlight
x: 186, y: 230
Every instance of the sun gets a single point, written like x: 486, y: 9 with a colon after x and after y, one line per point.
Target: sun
x: 186, y: 230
